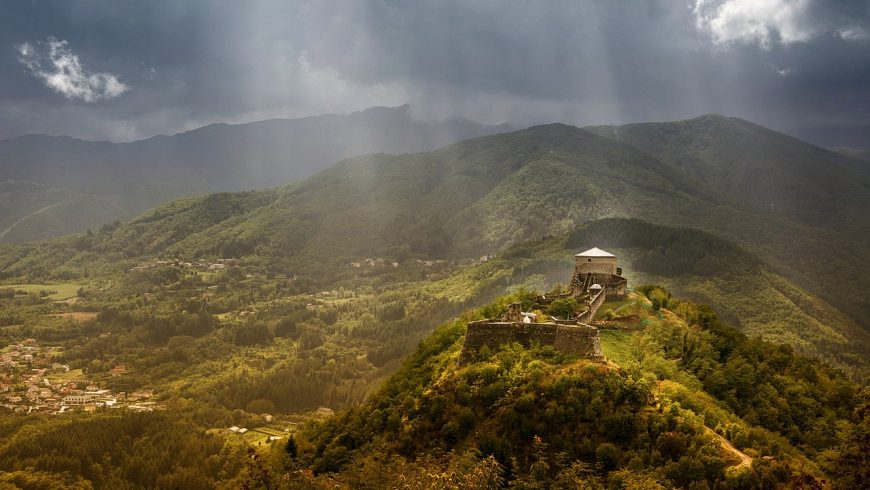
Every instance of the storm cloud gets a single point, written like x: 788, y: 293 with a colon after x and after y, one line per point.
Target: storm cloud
x: 800, y: 66
x: 55, y: 63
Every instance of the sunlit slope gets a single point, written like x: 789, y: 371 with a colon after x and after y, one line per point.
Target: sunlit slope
x: 117, y: 181
x: 690, y: 401
x: 480, y: 195
x: 693, y: 264
x: 739, y: 285
x: 801, y: 207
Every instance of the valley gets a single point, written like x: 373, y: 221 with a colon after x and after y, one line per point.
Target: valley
x: 306, y: 245
x: 266, y: 310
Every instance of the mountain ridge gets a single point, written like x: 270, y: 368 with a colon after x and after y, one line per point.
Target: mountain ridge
x: 217, y: 157
x: 478, y: 197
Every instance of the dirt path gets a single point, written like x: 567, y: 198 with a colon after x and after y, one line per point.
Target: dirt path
x: 745, y: 461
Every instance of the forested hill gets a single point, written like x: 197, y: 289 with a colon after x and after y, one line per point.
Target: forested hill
x: 51, y: 185
x: 806, y: 205
x: 752, y: 165
x: 480, y: 195
x: 738, y: 285
x: 682, y: 401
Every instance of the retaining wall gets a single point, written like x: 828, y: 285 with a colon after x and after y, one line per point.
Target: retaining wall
x: 575, y: 339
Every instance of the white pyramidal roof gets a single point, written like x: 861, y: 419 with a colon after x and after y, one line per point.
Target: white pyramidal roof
x: 595, y: 252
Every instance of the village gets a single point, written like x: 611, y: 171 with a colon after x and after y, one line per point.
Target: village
x: 32, y: 382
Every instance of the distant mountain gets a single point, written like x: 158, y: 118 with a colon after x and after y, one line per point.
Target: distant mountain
x: 53, y: 185
x: 753, y: 166
x: 485, y: 194
x: 859, y: 153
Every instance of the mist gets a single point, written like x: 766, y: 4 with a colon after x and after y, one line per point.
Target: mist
x: 182, y: 66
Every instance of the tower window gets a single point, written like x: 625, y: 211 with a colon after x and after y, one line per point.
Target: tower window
x: 588, y: 260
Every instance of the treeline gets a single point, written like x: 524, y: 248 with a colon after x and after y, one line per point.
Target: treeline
x: 154, y: 450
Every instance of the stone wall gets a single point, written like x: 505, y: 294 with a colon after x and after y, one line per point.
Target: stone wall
x: 596, y: 265
x: 596, y: 302
x: 575, y: 339
x: 579, y: 339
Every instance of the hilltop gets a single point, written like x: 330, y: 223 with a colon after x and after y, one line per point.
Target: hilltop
x: 681, y: 400
x: 56, y: 185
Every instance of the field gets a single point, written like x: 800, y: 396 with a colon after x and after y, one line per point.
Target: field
x: 614, y: 306
x: 77, y: 316
x: 71, y: 374
x: 254, y: 437
x: 260, y: 436
x: 59, y: 292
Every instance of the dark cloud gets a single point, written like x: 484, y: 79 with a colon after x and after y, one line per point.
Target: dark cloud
x: 800, y: 65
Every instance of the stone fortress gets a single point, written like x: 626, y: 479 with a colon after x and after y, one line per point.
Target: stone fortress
x: 596, y: 278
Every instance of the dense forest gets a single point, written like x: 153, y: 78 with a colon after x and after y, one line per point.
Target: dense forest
x: 653, y: 416
x: 237, y: 335
x: 682, y: 400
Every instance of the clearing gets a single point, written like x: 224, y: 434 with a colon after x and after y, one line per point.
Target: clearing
x: 616, y: 345
x: 57, y: 292
x: 76, y: 316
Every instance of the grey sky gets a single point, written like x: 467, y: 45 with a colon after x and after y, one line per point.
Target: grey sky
x: 127, y: 70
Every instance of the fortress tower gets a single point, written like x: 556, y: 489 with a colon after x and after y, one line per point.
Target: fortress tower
x: 596, y: 260
x: 596, y: 267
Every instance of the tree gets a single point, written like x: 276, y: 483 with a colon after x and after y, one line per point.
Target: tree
x: 563, y: 308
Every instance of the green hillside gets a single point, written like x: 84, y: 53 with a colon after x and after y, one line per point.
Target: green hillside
x: 800, y: 207
x: 220, y: 346
x: 480, y: 195
x: 74, y: 185
x: 739, y: 285
x: 692, y: 403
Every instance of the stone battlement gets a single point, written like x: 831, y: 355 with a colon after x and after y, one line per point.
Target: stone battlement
x: 596, y: 277
x: 579, y: 339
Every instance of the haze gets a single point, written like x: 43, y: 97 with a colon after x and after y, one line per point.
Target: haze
x: 100, y: 71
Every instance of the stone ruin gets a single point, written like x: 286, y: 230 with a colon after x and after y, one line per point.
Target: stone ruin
x: 596, y: 277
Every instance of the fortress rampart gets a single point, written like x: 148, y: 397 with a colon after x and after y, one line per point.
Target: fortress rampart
x: 594, y: 304
x: 582, y: 340
x: 596, y: 276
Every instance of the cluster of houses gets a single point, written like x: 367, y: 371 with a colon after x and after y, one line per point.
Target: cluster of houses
x: 369, y: 262
x: 31, y: 383
x: 217, y: 265
x: 380, y: 261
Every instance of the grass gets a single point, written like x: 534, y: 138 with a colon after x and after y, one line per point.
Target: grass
x: 206, y: 276
x: 614, y: 306
x: 59, y: 292
x: 71, y: 374
x: 616, y: 345
x: 255, y: 437
x: 271, y: 432
x: 77, y: 316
